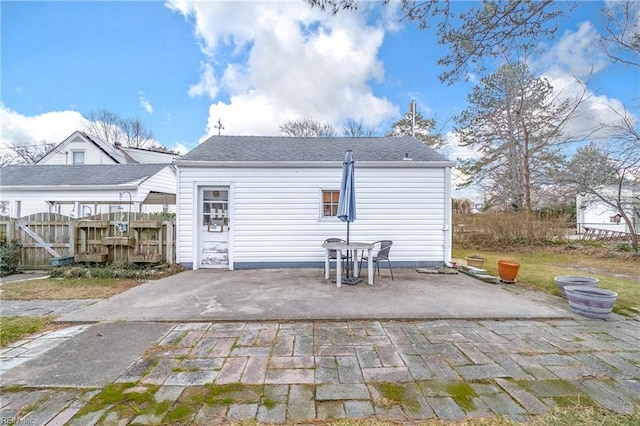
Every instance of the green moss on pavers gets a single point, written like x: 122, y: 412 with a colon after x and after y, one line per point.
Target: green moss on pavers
x: 184, y: 369
x: 397, y: 394
x: 213, y: 394
x: 463, y: 395
x: 548, y: 388
x: 561, y: 392
x: 111, y: 394
x: 179, y: 414
x: 275, y: 393
x: 12, y: 389
x: 126, y: 400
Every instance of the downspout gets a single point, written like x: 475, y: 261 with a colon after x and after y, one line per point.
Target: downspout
x: 176, y: 240
x: 447, y: 217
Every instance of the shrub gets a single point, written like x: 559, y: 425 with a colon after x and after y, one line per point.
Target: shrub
x: 9, y: 256
x: 508, y: 229
x: 129, y: 271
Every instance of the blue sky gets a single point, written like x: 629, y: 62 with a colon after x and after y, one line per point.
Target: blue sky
x: 179, y: 66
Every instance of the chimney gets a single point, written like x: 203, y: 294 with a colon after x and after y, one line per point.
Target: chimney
x: 117, y: 145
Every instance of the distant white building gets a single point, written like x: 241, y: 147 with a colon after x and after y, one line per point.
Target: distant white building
x: 83, y: 190
x: 594, y: 213
x: 85, y: 175
x: 82, y: 148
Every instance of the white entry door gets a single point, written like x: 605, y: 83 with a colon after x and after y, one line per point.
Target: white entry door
x: 214, y: 240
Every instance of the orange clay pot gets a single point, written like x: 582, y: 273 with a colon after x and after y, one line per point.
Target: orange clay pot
x: 508, y: 270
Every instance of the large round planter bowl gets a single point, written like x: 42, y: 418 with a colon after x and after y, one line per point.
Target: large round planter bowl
x: 508, y: 270
x: 476, y: 262
x: 565, y: 280
x: 591, y: 302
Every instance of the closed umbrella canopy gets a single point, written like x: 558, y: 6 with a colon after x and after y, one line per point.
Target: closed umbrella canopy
x: 347, y: 202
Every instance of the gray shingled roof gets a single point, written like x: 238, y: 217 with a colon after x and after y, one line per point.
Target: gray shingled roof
x: 77, y: 175
x: 115, y: 153
x: 283, y: 148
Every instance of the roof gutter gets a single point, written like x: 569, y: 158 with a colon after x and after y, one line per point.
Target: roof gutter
x: 69, y: 187
x: 413, y: 164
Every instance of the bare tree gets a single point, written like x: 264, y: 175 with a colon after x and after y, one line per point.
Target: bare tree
x: 29, y: 153
x: 7, y: 159
x: 516, y: 122
x: 356, y: 129
x: 621, y: 40
x: 307, y: 127
x: 105, y: 125
x: 112, y: 128
x: 136, y: 135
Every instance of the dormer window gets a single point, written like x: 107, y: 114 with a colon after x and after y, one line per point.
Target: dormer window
x: 77, y: 157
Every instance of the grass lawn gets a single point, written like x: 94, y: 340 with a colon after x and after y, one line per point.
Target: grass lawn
x: 14, y: 328
x: 73, y: 283
x: 67, y: 288
x: 538, y: 269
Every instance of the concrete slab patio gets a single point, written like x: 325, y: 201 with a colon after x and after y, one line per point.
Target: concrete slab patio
x: 288, y: 346
x: 304, y: 294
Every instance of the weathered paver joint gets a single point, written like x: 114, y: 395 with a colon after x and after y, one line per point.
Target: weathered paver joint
x: 209, y: 373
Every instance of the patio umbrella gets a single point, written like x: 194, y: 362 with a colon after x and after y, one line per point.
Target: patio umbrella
x: 347, y: 202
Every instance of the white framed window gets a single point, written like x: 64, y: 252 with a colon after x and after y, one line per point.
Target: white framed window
x: 77, y: 157
x: 330, y: 198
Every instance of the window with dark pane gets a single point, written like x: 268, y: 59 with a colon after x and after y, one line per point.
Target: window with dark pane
x: 330, y: 200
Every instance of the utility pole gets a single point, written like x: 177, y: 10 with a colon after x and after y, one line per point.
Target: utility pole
x: 412, y: 109
x: 219, y: 126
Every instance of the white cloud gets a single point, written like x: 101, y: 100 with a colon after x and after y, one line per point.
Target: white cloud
x: 50, y: 127
x: 596, y: 110
x: 207, y: 85
x: 144, y: 103
x: 568, y: 64
x: 575, y: 53
x: 276, y: 61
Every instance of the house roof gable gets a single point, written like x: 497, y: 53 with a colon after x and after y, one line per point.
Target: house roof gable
x: 294, y: 149
x: 108, y: 149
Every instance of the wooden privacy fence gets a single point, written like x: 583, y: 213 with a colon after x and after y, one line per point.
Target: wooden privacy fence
x: 112, y: 238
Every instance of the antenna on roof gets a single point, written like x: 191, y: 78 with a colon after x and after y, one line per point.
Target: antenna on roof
x: 219, y: 126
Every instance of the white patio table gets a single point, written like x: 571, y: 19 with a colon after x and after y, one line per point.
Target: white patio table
x: 353, y: 247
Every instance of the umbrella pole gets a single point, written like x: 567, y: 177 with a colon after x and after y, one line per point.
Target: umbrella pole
x: 348, y: 251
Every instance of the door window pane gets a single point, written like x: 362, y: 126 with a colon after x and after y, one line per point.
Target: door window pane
x: 215, y: 210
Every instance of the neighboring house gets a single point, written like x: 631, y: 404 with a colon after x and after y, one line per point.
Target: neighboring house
x: 26, y: 190
x: 594, y: 213
x: 266, y: 202
x: 82, y: 190
x: 82, y: 148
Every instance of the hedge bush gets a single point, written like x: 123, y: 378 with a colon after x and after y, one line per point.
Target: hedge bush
x: 9, y: 257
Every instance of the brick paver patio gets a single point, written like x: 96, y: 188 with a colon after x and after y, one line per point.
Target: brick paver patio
x: 300, y: 371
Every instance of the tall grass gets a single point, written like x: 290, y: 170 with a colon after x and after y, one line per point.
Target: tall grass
x: 509, y: 229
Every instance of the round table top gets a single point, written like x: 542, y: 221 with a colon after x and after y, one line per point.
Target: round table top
x: 353, y: 245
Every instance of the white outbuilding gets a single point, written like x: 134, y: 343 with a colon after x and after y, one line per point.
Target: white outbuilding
x: 270, y: 202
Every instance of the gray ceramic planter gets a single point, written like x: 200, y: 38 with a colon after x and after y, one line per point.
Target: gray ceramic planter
x: 591, y: 301
x: 566, y: 280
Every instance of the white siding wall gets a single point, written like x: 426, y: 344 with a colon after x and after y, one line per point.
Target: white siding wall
x: 144, y: 156
x: 276, y: 212
x: 163, y: 181
x: 92, y: 155
x: 98, y: 201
